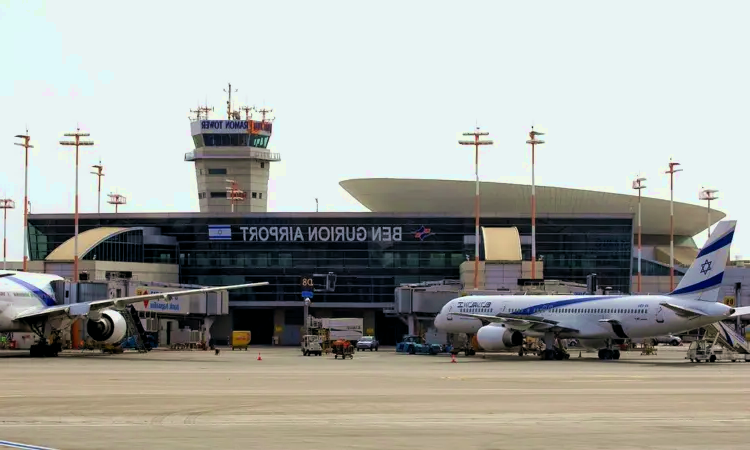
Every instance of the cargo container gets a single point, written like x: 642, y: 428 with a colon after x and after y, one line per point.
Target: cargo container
x: 347, y: 329
x: 240, y: 339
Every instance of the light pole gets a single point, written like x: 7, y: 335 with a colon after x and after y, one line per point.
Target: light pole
x: 638, y: 185
x: 234, y: 193
x: 306, y: 313
x: 5, y: 205
x: 708, y: 195
x: 476, y: 143
x: 671, y: 173
x: 26, y: 138
x: 99, y: 174
x: 77, y: 142
x: 534, y: 142
x: 316, y: 204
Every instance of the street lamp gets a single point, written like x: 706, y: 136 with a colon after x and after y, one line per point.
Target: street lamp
x: 5, y: 205
x: 99, y: 174
x: 708, y: 195
x: 671, y: 173
x: 77, y: 143
x: 26, y: 138
x: 534, y: 142
x: 476, y: 143
x: 638, y: 185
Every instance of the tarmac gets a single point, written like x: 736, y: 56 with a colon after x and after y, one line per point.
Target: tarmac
x: 377, y: 400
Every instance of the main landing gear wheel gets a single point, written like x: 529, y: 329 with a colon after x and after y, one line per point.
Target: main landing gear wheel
x: 43, y: 349
x: 609, y: 354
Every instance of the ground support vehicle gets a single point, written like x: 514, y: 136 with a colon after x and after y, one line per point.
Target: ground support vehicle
x: 311, y: 345
x: 704, y: 350
x: 343, y: 349
x: 240, y: 340
x: 415, y: 345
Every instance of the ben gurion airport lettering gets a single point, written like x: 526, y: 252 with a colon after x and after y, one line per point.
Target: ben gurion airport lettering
x: 321, y: 234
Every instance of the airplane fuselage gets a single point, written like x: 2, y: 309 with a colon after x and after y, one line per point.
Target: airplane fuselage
x: 24, y: 292
x: 636, y: 316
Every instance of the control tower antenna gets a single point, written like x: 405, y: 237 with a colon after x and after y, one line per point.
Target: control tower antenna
x: 247, y: 110
x: 229, y: 102
x: 263, y: 113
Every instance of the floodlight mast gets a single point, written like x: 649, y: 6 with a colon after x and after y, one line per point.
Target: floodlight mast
x: 5, y: 205
x: 476, y: 143
x: 671, y: 173
x: 534, y: 142
x: 26, y: 138
x: 638, y: 185
x: 708, y: 195
x: 77, y: 143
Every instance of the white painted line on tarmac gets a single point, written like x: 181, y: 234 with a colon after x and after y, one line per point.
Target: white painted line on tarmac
x: 24, y: 446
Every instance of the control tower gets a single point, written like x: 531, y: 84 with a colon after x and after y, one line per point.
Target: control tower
x: 232, y: 160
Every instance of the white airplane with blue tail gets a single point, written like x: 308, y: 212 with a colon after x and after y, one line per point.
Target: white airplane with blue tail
x: 599, y: 322
x: 28, y: 304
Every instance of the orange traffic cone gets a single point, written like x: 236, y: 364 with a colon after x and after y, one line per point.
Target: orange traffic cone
x: 453, y: 358
x: 259, y: 358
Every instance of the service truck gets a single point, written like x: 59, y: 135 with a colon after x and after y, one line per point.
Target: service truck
x: 348, y: 329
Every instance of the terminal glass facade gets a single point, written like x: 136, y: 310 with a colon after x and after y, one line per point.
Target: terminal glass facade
x: 370, y: 254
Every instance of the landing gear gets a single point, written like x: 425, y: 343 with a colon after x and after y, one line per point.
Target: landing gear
x: 42, y: 349
x: 608, y: 354
x: 553, y: 349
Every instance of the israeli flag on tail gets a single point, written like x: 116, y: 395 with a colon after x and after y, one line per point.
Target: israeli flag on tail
x: 703, y: 280
x: 219, y: 233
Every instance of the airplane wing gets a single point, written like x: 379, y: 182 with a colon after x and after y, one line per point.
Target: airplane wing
x: 518, y: 322
x: 741, y: 311
x: 82, y: 309
x: 682, y: 311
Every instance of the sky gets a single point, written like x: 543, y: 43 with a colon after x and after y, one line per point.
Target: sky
x: 376, y: 89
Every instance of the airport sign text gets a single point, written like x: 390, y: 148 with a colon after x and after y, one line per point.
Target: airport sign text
x: 321, y: 234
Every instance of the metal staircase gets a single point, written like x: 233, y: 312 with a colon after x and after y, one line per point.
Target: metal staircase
x: 135, y: 329
x: 722, y: 334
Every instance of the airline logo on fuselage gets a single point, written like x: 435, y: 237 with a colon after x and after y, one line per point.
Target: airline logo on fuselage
x: 474, y: 304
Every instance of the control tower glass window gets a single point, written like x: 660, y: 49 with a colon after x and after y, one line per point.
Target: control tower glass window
x: 231, y: 140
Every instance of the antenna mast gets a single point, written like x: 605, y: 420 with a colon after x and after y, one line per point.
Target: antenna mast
x: 229, y: 102
x: 263, y: 112
x: 247, y: 110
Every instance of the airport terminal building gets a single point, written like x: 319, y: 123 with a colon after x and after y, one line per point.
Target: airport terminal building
x: 369, y: 254
x: 415, y: 231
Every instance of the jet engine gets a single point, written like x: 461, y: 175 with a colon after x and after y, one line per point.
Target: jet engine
x: 497, y: 337
x: 110, y: 328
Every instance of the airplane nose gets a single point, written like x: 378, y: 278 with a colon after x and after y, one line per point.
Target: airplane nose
x: 440, y: 321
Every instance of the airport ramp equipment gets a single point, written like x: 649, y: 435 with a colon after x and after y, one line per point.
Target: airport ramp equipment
x: 136, y: 330
x: 723, y: 334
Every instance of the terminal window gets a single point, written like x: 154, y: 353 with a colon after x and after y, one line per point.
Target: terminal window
x: 217, y: 171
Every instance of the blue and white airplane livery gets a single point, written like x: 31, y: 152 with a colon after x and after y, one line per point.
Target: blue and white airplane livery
x: 599, y: 322
x: 27, y: 303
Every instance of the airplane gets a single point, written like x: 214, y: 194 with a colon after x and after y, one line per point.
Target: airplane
x: 28, y: 304
x: 598, y: 322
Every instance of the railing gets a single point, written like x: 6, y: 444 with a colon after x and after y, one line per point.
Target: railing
x: 261, y: 156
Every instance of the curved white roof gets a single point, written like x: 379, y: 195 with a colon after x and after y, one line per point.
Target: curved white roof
x: 398, y: 195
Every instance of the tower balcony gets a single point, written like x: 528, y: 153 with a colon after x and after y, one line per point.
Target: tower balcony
x: 232, y: 153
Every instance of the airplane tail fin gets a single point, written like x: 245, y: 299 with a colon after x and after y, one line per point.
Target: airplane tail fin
x: 703, y: 280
